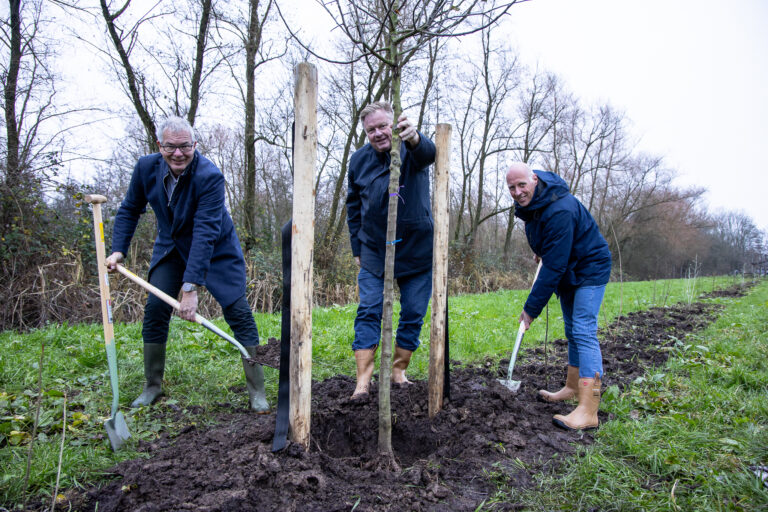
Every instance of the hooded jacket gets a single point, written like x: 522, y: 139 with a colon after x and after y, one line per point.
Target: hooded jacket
x: 195, y: 222
x: 368, y: 206
x: 564, y: 235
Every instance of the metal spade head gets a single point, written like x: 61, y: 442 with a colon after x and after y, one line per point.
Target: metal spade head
x: 117, y: 430
x: 514, y: 385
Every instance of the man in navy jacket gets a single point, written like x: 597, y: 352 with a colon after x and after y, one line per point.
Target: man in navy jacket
x: 367, y: 209
x: 196, y: 246
x: 576, y: 264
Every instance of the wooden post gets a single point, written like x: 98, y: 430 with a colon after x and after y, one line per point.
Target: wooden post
x: 302, y: 243
x: 439, y: 268
x: 106, y: 298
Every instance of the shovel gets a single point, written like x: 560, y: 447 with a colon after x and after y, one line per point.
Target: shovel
x: 199, y: 319
x: 117, y: 429
x: 514, y: 385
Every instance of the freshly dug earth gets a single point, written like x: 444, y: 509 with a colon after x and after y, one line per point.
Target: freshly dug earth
x: 484, y: 435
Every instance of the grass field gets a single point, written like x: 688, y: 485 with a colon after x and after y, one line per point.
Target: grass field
x: 682, y: 439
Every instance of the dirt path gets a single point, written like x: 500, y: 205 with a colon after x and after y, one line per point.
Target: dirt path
x: 484, y: 433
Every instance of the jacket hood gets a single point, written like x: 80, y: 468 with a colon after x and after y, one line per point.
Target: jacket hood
x: 550, y: 188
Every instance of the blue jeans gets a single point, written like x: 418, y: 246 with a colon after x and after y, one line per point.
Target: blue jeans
x: 580, y: 309
x: 168, y: 275
x: 415, y: 291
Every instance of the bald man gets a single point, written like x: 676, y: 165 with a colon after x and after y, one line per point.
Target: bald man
x: 576, y: 265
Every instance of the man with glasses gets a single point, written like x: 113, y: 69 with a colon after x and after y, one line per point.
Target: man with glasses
x: 196, y: 246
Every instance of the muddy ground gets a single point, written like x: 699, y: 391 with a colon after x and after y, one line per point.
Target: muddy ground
x: 484, y: 434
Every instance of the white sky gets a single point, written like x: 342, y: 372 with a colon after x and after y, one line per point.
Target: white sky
x: 692, y: 76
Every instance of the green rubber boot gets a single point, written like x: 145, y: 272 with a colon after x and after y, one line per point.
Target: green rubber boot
x: 254, y: 382
x: 154, y: 366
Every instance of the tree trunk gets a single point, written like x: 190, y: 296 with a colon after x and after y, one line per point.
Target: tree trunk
x: 385, y: 369
x: 130, y: 74
x: 508, y: 234
x: 12, y: 170
x: 202, y: 36
x: 249, y: 200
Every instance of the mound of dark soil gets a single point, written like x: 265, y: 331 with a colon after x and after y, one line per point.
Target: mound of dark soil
x: 268, y: 353
x: 738, y: 290
x: 483, y: 436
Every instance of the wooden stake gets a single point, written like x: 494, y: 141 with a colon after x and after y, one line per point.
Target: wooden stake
x: 439, y: 268
x: 302, y: 243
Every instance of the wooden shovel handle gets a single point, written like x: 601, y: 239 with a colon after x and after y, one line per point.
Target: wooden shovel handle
x: 177, y: 306
x: 536, y: 275
x: 106, y: 307
x: 98, y: 231
x: 106, y: 301
x: 95, y: 199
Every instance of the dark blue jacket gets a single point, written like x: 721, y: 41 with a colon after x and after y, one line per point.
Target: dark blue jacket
x: 563, y: 233
x: 196, y: 223
x: 367, y: 208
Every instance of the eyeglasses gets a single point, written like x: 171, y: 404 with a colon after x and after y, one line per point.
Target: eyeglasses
x: 170, y: 148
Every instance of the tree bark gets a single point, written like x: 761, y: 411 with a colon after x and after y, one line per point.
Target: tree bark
x: 302, y: 243
x: 385, y: 368
x: 12, y: 171
x: 251, y: 50
x: 202, y: 37
x: 438, y: 324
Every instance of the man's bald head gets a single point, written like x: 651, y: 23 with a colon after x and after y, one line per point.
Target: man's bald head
x: 521, y: 181
x: 520, y: 169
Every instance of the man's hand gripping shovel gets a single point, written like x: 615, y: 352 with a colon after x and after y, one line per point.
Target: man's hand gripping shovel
x: 514, y: 385
x: 199, y: 319
x: 117, y: 429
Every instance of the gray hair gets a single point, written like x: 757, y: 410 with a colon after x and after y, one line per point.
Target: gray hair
x: 373, y: 107
x: 175, y: 124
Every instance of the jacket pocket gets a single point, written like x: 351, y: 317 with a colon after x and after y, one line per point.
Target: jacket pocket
x: 414, y: 249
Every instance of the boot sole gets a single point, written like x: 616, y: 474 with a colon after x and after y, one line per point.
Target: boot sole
x: 550, y: 401
x: 563, y: 425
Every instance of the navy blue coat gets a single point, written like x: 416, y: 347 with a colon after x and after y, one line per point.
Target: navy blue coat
x: 368, y: 206
x: 196, y: 223
x: 561, y: 231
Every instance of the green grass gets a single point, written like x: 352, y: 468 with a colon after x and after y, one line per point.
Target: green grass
x: 203, y: 370
x: 684, y: 436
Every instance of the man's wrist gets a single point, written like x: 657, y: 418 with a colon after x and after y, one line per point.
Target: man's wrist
x: 189, y: 287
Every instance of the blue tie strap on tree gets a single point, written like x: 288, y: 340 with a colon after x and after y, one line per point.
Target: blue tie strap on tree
x: 393, y: 194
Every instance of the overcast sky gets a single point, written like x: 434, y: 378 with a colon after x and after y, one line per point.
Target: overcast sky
x: 692, y: 75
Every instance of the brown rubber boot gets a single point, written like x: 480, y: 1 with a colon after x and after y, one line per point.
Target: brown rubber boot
x: 399, y: 365
x: 584, y: 416
x: 568, y: 391
x: 364, y: 358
